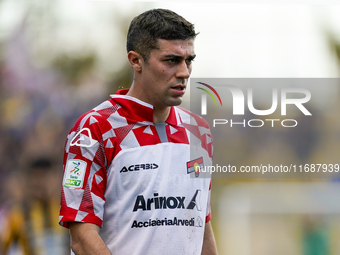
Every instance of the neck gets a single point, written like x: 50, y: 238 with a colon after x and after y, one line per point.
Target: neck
x: 161, y: 115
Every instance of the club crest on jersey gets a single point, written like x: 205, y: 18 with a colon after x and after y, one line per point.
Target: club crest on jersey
x: 195, y: 166
x: 83, y: 139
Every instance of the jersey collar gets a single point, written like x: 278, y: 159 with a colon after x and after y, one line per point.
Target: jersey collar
x: 142, y: 111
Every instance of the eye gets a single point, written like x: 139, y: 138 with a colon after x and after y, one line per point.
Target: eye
x: 189, y: 60
x: 172, y: 60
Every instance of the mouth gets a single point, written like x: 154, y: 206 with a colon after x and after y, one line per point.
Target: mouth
x: 179, y: 87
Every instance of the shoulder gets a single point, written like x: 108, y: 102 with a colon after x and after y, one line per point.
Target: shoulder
x: 94, y: 123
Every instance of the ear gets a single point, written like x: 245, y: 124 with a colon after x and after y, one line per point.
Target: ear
x: 135, y: 60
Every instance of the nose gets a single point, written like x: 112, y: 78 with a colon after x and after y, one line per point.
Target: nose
x: 184, y: 70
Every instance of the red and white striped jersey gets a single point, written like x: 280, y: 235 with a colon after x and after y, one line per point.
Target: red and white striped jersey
x: 143, y: 183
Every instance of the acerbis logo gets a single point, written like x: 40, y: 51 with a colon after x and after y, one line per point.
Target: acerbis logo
x: 156, y: 202
x: 83, y: 139
x: 139, y: 167
x: 204, y: 97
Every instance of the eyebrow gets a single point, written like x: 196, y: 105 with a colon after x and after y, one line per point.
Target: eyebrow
x: 179, y: 56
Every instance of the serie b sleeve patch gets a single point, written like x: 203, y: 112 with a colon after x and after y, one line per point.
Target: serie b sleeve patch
x: 74, y: 174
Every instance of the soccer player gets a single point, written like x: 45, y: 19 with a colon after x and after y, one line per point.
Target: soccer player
x: 132, y: 164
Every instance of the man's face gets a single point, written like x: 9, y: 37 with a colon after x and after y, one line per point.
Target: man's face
x: 165, y: 75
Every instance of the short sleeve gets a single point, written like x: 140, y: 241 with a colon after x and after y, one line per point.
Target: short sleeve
x: 84, y: 179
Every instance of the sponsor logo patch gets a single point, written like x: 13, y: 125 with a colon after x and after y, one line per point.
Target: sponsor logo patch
x: 163, y: 203
x: 198, y: 222
x: 74, y: 174
x: 159, y: 202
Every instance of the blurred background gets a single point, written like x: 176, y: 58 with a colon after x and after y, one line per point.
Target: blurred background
x: 59, y: 59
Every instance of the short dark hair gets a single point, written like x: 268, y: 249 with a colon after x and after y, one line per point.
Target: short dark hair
x: 155, y: 24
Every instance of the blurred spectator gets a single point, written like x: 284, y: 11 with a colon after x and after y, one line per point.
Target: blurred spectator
x: 13, y: 232
x: 315, y: 236
x: 31, y: 221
